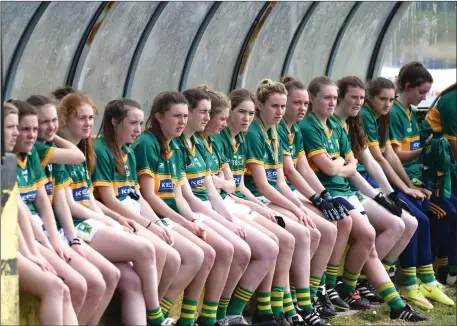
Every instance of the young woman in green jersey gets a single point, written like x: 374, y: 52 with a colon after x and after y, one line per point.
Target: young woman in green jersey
x: 375, y: 117
x: 224, y: 182
x: 392, y: 233
x: 36, y: 277
x: 69, y: 260
x: 254, y: 257
x: 329, y: 151
x: 52, y: 155
x: 138, y: 284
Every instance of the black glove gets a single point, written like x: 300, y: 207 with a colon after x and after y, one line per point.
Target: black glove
x: 393, y: 196
x: 326, y: 207
x: 342, y: 211
x: 385, y: 202
x: 405, y: 206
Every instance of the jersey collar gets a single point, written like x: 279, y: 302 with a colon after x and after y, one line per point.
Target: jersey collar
x: 403, y: 109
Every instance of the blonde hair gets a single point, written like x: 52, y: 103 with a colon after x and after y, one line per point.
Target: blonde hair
x: 219, y: 101
x: 9, y: 108
x: 266, y: 88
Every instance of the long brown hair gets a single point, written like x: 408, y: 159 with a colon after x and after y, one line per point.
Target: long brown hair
x: 291, y: 84
x: 117, y: 110
x: 356, y: 131
x: 67, y: 110
x: 239, y: 95
x: 161, y: 104
x: 414, y: 74
x: 375, y: 87
x: 315, y: 85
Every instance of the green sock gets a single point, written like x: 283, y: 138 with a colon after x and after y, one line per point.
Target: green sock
x: 332, y: 274
x: 323, y: 278
x: 314, y: 282
x: 293, y: 292
x: 452, y: 269
x: 277, y: 295
x: 349, y: 282
x: 222, y: 308
x: 238, y: 301
x: 426, y: 273
x: 390, y: 295
x: 443, y: 265
x: 263, y: 303
x: 387, y: 264
x: 288, y: 305
x: 165, y: 305
x: 362, y: 277
x: 304, y: 299
x: 409, y: 276
x: 208, y: 314
x: 155, y: 316
x: 188, y: 312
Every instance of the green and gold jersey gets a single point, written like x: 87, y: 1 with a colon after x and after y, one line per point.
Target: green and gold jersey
x: 166, y: 172
x: 80, y: 183
x: 291, y: 142
x: 332, y: 142
x: 442, y: 119
x: 404, y: 132
x: 235, y: 155
x: 105, y: 174
x: 370, y: 127
x: 30, y: 176
x: 194, y: 166
x: 261, y: 150
x: 51, y: 170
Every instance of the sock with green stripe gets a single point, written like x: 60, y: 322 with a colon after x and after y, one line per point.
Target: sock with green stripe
x: 238, y: 301
x: 264, y: 303
x: 349, y: 282
x: 222, y: 308
x: 332, y: 274
x: 165, y: 305
x: 188, y: 312
x: 362, y: 277
x: 390, y: 295
x: 304, y: 299
x: 209, y: 312
x: 293, y: 292
x: 443, y: 265
x: 155, y: 316
x: 387, y: 264
x: 314, y: 282
x: 452, y: 269
x: 288, y: 305
x: 277, y: 296
x: 409, y: 276
x: 426, y: 273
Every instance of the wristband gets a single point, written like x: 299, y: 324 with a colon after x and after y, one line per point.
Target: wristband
x: 75, y: 242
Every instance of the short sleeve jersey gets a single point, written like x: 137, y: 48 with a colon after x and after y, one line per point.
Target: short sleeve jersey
x: 216, y: 160
x: 30, y: 176
x: 235, y: 155
x: 166, y: 172
x: 291, y: 141
x: 334, y: 143
x: 404, y: 132
x: 51, y: 170
x: 371, y: 128
x: 105, y: 174
x: 442, y: 119
x: 194, y: 166
x: 80, y: 184
x: 260, y: 150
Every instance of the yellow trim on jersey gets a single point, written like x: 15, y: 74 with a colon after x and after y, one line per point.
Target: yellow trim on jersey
x: 316, y: 152
x: 449, y: 137
x: 253, y: 160
x: 47, y: 157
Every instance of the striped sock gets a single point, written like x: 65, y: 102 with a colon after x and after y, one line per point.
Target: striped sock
x: 288, y: 305
x: 263, y: 303
x: 362, y: 277
x: 350, y: 282
x: 208, y: 314
x: 293, y: 292
x: 332, y: 273
x: 443, y: 265
x: 222, y: 309
x: 155, y: 316
x: 409, y: 276
x: 426, y: 273
x: 314, y: 282
x: 277, y: 295
x: 238, y: 301
x: 165, y: 305
x: 188, y: 312
x: 390, y: 295
x: 304, y: 299
x: 387, y: 264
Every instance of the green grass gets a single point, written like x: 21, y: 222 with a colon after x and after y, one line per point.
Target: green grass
x: 440, y: 315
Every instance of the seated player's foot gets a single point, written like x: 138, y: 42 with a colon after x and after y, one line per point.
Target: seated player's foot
x: 435, y: 293
x: 407, y: 314
x: 415, y: 296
